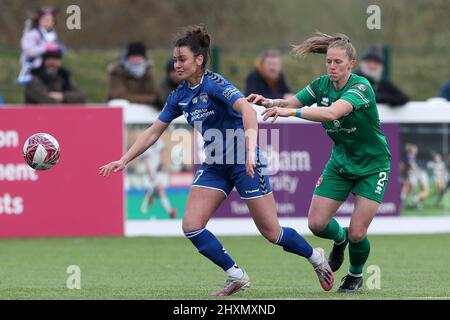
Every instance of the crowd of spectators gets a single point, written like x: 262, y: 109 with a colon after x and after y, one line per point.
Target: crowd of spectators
x: 132, y: 77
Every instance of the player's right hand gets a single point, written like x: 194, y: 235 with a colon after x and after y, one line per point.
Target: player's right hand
x: 114, y: 166
x: 258, y: 99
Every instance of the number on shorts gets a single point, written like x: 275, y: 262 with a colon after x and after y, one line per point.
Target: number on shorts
x: 198, y: 175
x: 380, y: 183
x: 383, y: 178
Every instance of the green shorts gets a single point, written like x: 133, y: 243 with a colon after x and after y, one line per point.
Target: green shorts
x: 335, y: 186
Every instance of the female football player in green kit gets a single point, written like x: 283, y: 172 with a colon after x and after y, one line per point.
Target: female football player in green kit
x: 360, y: 159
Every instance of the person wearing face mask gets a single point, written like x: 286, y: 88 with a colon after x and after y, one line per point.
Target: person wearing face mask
x: 132, y: 78
x: 39, y: 36
x: 51, y: 83
x: 371, y: 67
x: 267, y: 78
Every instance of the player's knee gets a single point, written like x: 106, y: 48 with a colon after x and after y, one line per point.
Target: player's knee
x: 316, y: 224
x: 189, y: 225
x: 357, y: 233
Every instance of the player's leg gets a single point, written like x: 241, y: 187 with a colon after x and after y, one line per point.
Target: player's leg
x: 208, y: 184
x: 264, y: 213
x: 161, y: 193
x: 331, y: 190
x: 359, y: 244
x: 148, y: 198
x: 369, y: 192
x: 440, y: 189
x: 257, y: 193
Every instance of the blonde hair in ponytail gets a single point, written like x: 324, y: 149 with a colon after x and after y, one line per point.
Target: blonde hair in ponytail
x: 322, y: 42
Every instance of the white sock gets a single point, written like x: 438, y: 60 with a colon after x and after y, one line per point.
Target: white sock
x: 355, y: 275
x: 315, y: 258
x: 165, y: 203
x: 235, y: 271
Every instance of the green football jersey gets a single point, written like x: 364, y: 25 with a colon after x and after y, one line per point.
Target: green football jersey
x: 360, y: 147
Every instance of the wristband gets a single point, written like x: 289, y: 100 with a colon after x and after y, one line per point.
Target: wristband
x: 296, y: 113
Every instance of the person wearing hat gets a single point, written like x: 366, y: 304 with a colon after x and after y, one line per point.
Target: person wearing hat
x: 51, y: 83
x: 371, y: 67
x: 132, y: 77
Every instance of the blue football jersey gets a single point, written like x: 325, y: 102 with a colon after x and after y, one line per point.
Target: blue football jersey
x: 208, y: 108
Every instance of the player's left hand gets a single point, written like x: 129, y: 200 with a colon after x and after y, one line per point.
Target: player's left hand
x: 275, y: 112
x: 250, y: 163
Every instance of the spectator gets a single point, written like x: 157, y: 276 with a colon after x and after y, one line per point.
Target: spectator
x: 132, y: 77
x: 51, y: 82
x: 38, y: 36
x: 267, y: 79
x: 444, y: 91
x: 371, y: 67
x: 171, y: 82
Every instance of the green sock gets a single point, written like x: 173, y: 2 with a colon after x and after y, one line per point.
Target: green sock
x: 332, y: 231
x: 359, y: 252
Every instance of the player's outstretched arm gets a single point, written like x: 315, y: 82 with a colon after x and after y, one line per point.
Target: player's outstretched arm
x: 142, y: 143
x: 291, y: 102
x: 337, y: 110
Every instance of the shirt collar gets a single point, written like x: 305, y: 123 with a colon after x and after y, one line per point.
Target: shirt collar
x: 197, y: 85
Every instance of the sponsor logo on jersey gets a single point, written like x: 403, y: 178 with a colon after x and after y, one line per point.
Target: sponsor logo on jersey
x: 186, y: 114
x: 337, y: 124
x: 339, y: 130
x: 195, y: 100
x: 199, y: 114
x: 230, y: 92
x: 325, y: 101
x: 362, y: 87
x: 251, y: 191
x: 204, y: 97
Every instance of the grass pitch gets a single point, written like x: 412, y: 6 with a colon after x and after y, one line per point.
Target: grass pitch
x: 411, y: 267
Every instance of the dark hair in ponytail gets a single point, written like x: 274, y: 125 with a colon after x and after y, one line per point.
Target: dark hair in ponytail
x: 196, y: 38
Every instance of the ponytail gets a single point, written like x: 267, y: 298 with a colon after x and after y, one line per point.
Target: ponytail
x: 196, y: 38
x: 322, y: 42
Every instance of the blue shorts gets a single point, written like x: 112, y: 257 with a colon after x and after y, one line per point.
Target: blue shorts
x: 225, y: 177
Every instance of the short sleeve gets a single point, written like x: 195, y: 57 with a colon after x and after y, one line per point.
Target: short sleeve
x: 227, y: 93
x: 358, y: 96
x: 308, y: 95
x: 171, y: 109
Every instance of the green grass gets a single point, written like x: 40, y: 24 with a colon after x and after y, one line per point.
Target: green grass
x: 170, y: 268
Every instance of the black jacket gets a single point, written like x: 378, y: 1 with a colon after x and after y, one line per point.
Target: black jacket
x: 256, y: 84
x: 42, y: 83
x: 386, y: 92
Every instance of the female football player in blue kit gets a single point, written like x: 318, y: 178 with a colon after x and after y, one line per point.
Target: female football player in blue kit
x: 212, y: 105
